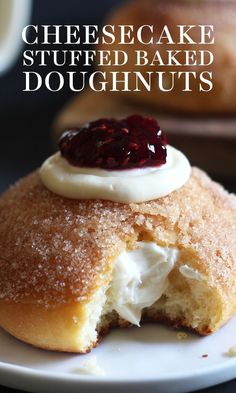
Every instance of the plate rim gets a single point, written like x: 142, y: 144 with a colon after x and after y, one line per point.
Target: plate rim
x: 91, y: 379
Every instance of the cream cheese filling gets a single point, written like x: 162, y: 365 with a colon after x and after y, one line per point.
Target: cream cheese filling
x: 125, y: 186
x: 140, y: 277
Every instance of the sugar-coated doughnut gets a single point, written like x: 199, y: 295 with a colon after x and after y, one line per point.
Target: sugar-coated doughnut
x: 58, y: 257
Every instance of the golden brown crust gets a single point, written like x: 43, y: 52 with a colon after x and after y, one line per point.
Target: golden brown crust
x: 220, y: 14
x: 55, y: 329
x: 54, y: 250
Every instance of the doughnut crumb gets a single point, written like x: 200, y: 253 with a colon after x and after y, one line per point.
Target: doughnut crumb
x: 232, y: 351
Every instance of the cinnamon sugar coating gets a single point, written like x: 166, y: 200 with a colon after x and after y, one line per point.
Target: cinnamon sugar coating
x: 55, y: 250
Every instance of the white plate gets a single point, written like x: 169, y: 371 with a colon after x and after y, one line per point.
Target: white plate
x: 150, y: 359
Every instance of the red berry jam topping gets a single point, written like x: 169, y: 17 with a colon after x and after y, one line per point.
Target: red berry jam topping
x: 134, y: 142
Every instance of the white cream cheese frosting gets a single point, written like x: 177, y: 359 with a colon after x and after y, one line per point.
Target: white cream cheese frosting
x: 140, y: 277
x: 125, y: 186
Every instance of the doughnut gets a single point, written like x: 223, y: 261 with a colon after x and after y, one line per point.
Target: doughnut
x: 72, y: 268
x: 220, y: 100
